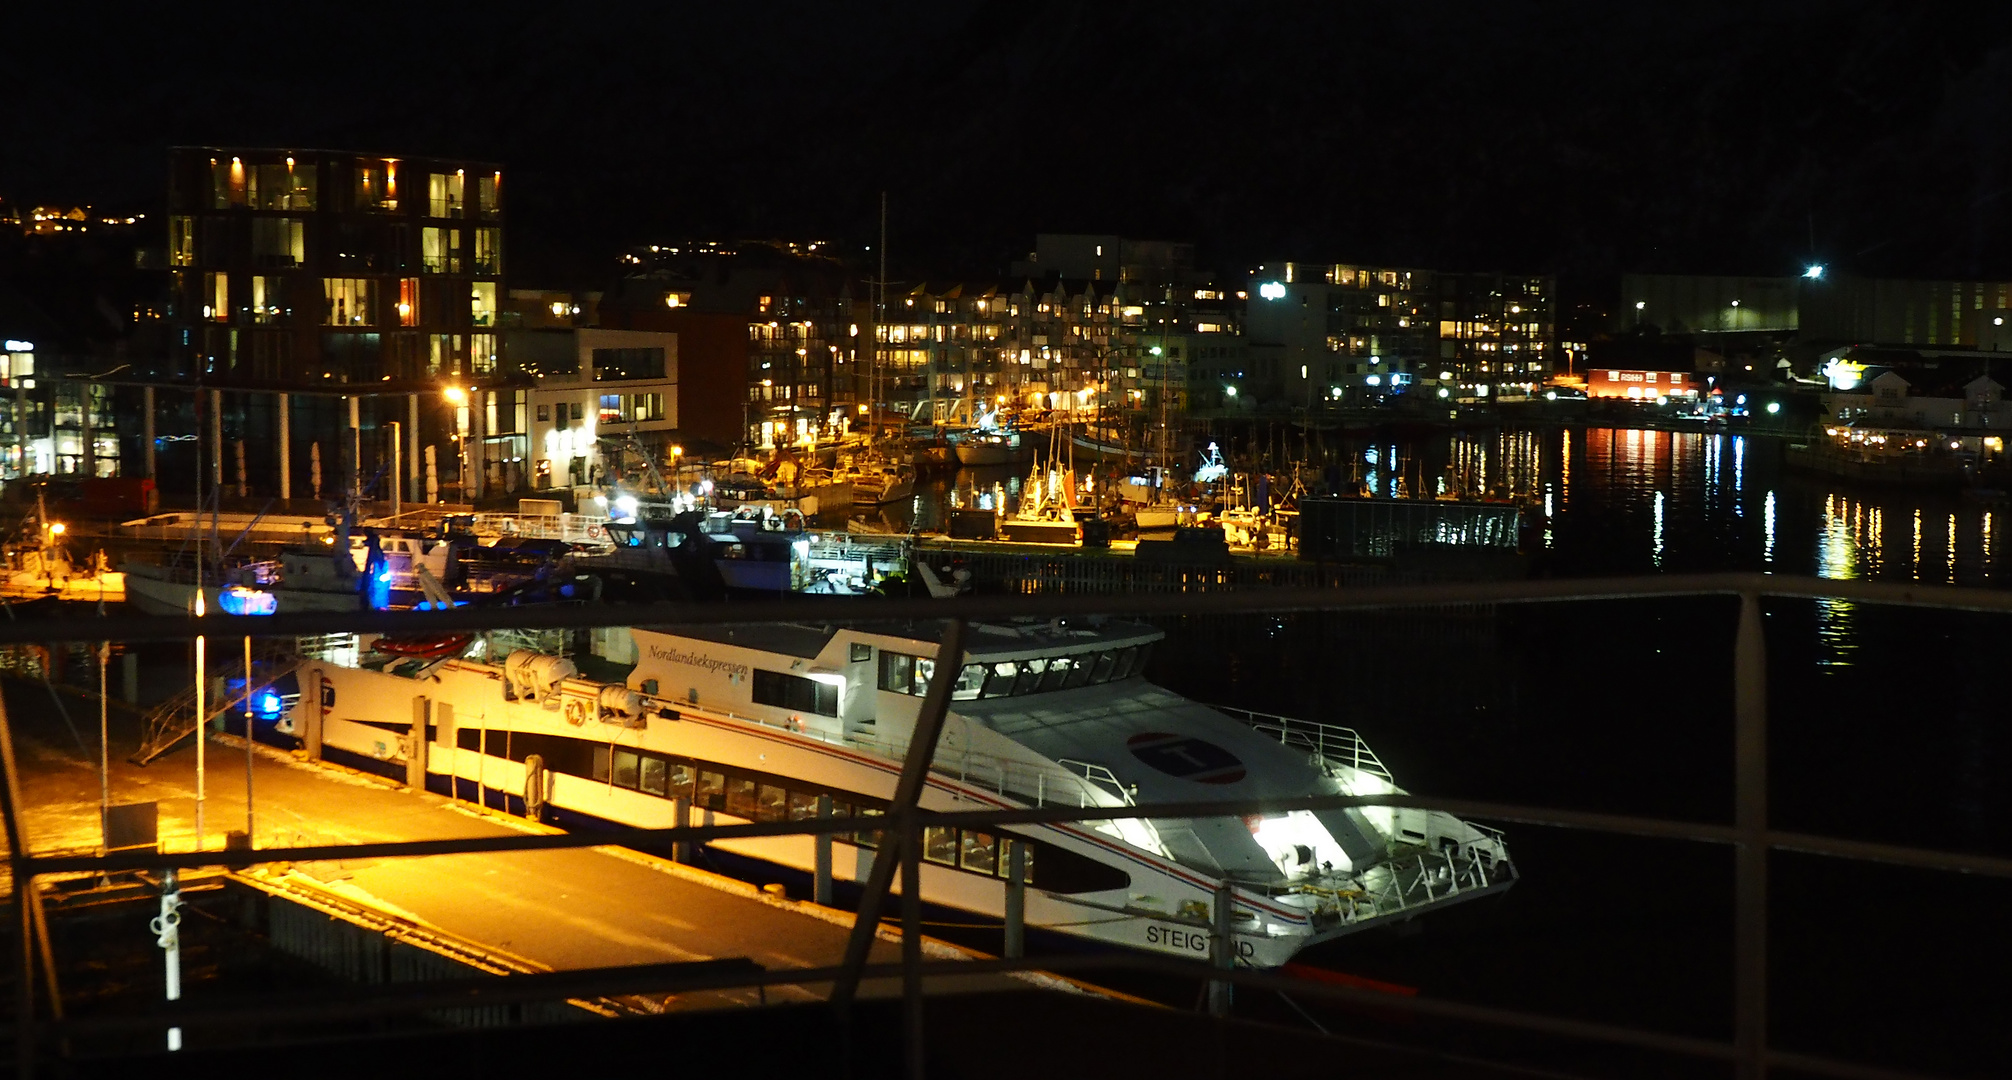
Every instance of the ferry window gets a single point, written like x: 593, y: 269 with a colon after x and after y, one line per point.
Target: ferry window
x: 794, y: 692
x: 712, y: 794
x: 1079, y: 672
x: 924, y: 669
x: 650, y: 687
x: 681, y: 779
x: 1063, y: 871
x: 601, y: 764
x: 656, y: 776
x: 741, y: 797
x: 1106, y: 663
x: 897, y: 672
x: 859, y: 652
x: 970, y: 681
x: 981, y: 852
x: 1000, y: 682
x: 866, y: 839
x: 802, y: 806
x: 1059, y: 668
x: 1006, y: 846
x: 1029, y: 679
x: 1126, y: 656
x: 625, y: 768
x: 939, y: 844
x: 771, y: 803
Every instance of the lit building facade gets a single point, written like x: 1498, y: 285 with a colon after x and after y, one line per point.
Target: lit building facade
x: 323, y: 297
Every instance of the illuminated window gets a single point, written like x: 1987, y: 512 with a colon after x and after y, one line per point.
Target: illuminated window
x: 349, y: 300
x: 482, y: 303
x: 181, y: 241
x: 227, y: 183
x: 267, y: 299
x: 488, y: 251
x: 377, y: 187
x: 216, y: 297
x: 440, y: 250
x: 280, y: 187
x: 408, y: 301
x: 482, y: 353
x: 443, y: 195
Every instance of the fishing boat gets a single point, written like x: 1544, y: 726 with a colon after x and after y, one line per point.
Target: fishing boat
x: 785, y: 722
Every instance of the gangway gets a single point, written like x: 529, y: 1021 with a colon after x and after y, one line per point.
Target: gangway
x: 175, y: 719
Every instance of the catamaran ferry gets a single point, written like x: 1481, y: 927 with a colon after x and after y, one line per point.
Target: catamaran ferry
x: 775, y: 722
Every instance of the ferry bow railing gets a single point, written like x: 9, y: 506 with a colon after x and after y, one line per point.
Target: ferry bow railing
x: 1750, y: 834
x: 1331, y: 743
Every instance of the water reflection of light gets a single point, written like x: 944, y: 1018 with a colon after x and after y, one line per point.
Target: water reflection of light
x: 1837, y: 553
x: 1767, y: 510
x: 1987, y: 543
x: 1658, y: 545
x: 1916, y: 572
x: 1739, y: 467
x: 1952, y: 549
x: 1550, y: 515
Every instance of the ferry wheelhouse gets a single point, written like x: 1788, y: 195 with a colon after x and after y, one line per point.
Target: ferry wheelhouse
x: 776, y: 722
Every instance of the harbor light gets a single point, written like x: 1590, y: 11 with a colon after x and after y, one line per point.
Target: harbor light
x: 455, y: 395
x: 57, y: 528
x: 1230, y: 390
x: 1814, y: 271
x: 1773, y: 407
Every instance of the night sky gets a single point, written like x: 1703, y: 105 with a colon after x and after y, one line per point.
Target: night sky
x: 1573, y: 137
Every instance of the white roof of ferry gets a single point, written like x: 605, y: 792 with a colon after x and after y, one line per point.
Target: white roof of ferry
x: 986, y: 641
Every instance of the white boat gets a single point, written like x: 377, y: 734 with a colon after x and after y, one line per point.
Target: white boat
x: 305, y: 579
x: 760, y: 723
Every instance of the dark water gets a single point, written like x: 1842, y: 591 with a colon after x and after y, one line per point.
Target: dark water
x: 1886, y: 724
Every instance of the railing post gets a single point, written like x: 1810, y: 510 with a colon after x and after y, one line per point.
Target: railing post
x: 1750, y: 817
x: 1016, y: 899
x: 911, y: 945
x: 821, y: 888
x: 1222, y: 949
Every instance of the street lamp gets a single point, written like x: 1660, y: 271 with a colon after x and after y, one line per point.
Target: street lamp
x: 458, y: 397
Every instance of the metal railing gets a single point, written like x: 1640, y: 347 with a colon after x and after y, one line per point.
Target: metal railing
x: 1750, y: 835
x: 1331, y: 743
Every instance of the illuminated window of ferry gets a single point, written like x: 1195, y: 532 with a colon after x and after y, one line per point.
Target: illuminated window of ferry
x: 970, y: 681
x: 802, y: 805
x: 1029, y: 678
x: 712, y: 791
x: 867, y: 839
x: 794, y: 692
x: 924, y: 668
x: 600, y: 771
x: 681, y: 780
x: 1059, y: 668
x: 981, y: 852
x: 939, y: 844
x: 771, y: 803
x: 1000, y: 682
x: 626, y: 767
x: 656, y: 776
x: 741, y: 797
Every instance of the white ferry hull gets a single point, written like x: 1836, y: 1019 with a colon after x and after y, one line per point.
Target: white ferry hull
x: 464, y: 728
